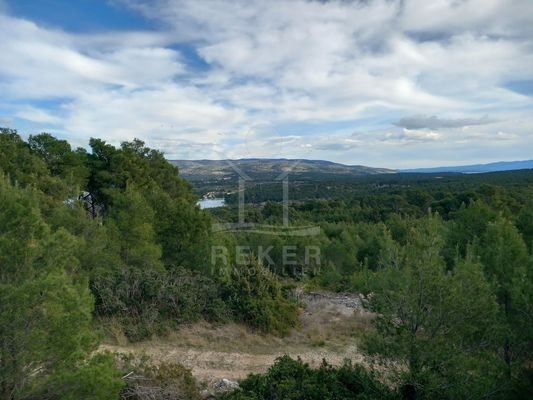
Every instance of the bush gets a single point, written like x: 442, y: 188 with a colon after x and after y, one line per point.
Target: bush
x: 147, y: 302
x: 94, y: 379
x: 290, y: 379
x: 256, y: 298
x: 165, y: 381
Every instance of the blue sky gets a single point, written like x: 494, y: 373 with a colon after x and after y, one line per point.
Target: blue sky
x: 383, y: 83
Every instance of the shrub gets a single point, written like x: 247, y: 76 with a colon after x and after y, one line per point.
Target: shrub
x: 165, y: 381
x: 147, y: 302
x: 290, y: 379
x: 256, y: 298
x: 94, y: 379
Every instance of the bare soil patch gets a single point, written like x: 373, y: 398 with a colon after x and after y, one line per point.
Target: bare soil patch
x: 330, y: 325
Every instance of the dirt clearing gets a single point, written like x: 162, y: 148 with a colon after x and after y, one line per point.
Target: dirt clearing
x: 330, y: 325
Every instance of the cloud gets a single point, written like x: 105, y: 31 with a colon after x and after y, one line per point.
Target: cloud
x: 434, y: 122
x: 338, y: 144
x: 43, y: 63
x: 490, y: 136
x: 172, y: 112
x: 236, y: 77
x: 409, y: 137
x: 419, y: 136
x: 37, y: 115
x: 487, y: 17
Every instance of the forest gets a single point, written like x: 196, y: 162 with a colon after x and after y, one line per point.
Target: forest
x: 111, y: 238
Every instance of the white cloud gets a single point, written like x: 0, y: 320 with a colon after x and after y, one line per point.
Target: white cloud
x: 434, y: 122
x: 273, y: 64
x: 171, y: 112
x: 41, y: 63
x: 420, y: 135
x: 37, y: 115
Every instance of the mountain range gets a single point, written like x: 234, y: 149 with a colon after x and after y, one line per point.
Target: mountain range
x: 271, y: 168
x: 478, y: 168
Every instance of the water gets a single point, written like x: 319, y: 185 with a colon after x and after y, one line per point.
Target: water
x: 210, y: 203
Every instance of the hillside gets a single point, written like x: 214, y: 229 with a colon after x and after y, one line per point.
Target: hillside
x: 479, y: 168
x: 269, y: 169
x: 112, y: 242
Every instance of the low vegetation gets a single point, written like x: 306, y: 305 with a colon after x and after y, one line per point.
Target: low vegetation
x: 292, y: 379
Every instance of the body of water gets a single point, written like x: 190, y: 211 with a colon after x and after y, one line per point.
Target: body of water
x: 210, y: 203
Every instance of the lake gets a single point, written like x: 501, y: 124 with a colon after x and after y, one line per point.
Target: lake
x: 210, y: 203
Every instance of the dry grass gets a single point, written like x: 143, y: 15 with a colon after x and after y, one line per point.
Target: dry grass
x: 328, y: 330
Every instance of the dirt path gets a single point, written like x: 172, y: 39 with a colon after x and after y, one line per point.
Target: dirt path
x: 211, y: 365
x: 330, y: 325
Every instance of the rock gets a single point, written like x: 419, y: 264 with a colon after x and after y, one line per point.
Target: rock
x: 225, y: 385
x: 348, y: 300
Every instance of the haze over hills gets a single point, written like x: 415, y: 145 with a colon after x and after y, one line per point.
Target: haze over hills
x: 270, y: 169
x: 478, y: 168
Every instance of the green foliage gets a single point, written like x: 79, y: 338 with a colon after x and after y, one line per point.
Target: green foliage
x: 468, y: 225
x: 508, y: 266
x: 60, y: 159
x: 115, y: 235
x: 52, y: 244
x: 148, y: 301
x: 133, y: 220
x: 44, y: 324
x: 16, y: 160
x: 434, y: 330
x: 136, y: 185
x: 255, y: 296
x: 182, y: 231
x: 525, y: 224
x: 291, y: 379
x: 96, y: 378
x: 46, y: 306
x: 21, y: 227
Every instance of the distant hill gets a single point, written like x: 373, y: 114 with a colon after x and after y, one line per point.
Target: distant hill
x: 478, y: 168
x: 270, y: 169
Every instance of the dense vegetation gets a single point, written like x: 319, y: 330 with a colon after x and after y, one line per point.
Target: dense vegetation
x: 111, y: 238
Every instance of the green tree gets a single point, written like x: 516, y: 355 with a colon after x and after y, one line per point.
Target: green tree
x: 61, y: 159
x: 507, y: 264
x: 429, y: 322
x: 525, y: 225
x: 44, y: 329
x: 468, y: 224
x: 182, y: 230
x: 95, y: 378
x: 45, y: 303
x: 16, y: 160
x: 133, y: 220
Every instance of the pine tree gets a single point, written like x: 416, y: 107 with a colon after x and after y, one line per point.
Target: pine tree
x: 429, y: 321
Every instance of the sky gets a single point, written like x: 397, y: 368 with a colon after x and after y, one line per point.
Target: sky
x: 385, y: 83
